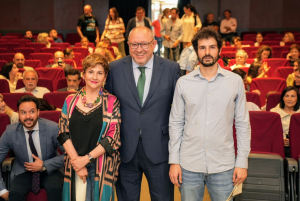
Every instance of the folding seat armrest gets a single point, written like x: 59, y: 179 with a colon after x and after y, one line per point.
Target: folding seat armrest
x: 7, y: 164
x: 291, y: 165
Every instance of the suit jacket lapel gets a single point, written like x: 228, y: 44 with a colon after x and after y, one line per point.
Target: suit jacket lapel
x: 21, y: 140
x: 43, y: 139
x: 156, y: 74
x: 128, y: 72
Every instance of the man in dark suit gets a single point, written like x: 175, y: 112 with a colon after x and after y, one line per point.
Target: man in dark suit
x: 144, y: 83
x: 138, y: 21
x: 33, y: 140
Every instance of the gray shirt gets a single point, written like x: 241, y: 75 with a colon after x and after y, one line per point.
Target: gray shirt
x: 38, y: 91
x: 201, y: 120
x: 175, y: 34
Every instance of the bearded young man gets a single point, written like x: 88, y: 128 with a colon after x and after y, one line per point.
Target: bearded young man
x: 201, y: 146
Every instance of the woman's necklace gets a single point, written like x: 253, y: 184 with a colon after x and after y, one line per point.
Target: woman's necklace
x: 84, y: 100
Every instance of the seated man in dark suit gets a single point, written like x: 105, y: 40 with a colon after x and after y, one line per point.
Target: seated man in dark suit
x: 73, y: 81
x: 33, y: 140
x: 138, y: 21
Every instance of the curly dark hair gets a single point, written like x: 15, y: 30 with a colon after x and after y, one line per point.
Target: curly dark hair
x: 290, y: 88
x: 6, y: 68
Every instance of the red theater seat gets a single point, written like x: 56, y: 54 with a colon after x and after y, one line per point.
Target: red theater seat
x: 72, y: 38
x: 57, y: 98
x: 11, y: 99
x: 230, y: 55
x: 254, y: 98
x: 274, y: 35
x: 274, y: 63
x: 248, y: 42
x: 19, y: 35
x: 22, y: 42
x: 50, y: 115
x: 283, y: 72
x: 7, y: 56
x: 77, y: 58
x: 249, y: 36
x: 228, y: 49
x: 26, y: 51
x: 33, y: 63
x: 278, y: 50
x: 9, y: 46
x: 295, y: 136
x: 273, y: 100
x: 291, y: 43
x: 264, y: 85
x: 2, y: 62
x: 51, y: 50
x: 9, y: 38
x: 5, y: 121
x: 42, y: 82
x: 284, y: 54
x: 90, y: 45
x: 84, y: 51
x: 270, y: 43
x: 43, y: 57
x: 233, y: 61
x: 4, y: 86
x: 36, y: 46
x: 3, y: 50
x: 67, y: 61
x: 53, y: 74
x: 63, y: 46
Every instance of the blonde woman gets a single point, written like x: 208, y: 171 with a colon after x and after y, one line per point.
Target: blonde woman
x: 13, y: 116
x: 288, y: 37
x: 43, y: 38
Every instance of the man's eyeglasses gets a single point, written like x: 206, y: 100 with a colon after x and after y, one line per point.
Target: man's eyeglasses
x: 143, y: 45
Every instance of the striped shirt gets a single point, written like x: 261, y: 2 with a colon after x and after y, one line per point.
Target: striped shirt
x: 111, y: 29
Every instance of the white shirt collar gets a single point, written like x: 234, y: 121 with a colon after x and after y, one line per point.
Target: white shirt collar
x: 35, y: 128
x: 149, y: 64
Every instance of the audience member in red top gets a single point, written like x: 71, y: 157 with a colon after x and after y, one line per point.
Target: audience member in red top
x: 294, y: 54
x: 264, y: 52
x: 259, y: 39
x: 288, y: 37
x: 28, y: 35
x: 157, y: 26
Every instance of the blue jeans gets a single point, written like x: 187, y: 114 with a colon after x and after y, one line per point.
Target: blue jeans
x: 159, y: 41
x: 169, y: 51
x: 219, y: 185
x: 91, y: 168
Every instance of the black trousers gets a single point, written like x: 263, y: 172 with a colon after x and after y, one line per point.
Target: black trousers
x: 52, y: 183
x: 130, y: 177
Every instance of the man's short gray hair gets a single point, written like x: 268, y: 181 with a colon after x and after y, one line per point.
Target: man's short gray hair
x: 30, y: 70
x: 242, y: 52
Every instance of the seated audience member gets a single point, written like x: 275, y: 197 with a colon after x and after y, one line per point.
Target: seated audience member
x: 30, y: 80
x: 241, y: 57
x: 188, y: 60
x: 105, y: 52
x: 53, y: 36
x: 228, y: 26
x: 237, y: 43
x: 9, y: 71
x: 264, y: 108
x: 43, y: 38
x: 296, y: 82
x: 19, y: 60
x: 45, y: 106
x: 290, y: 78
x: 73, y: 81
x: 264, y: 52
x: 289, y: 105
x: 288, y: 37
x: 35, y: 152
x: 210, y: 22
x: 13, y: 116
x: 59, y: 61
x: 69, y: 54
x: 118, y: 54
x: 28, y: 35
x: 257, y: 70
x: 259, y: 39
x: 294, y: 54
x: 84, y: 42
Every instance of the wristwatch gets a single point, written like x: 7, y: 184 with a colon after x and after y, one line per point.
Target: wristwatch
x: 43, y: 168
x: 91, y: 158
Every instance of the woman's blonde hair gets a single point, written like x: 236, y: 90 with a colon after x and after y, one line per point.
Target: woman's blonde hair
x: 42, y: 38
x: 9, y: 111
x: 291, y: 36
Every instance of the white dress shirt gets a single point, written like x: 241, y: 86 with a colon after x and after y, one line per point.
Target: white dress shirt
x: 36, y: 141
x: 148, y: 73
x: 38, y: 91
x: 228, y: 23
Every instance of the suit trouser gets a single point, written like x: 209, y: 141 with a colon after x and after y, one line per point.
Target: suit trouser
x: 130, y: 176
x: 52, y: 183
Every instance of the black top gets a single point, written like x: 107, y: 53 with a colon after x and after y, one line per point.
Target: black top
x: 85, y: 129
x: 206, y: 24
x: 88, y: 27
x: 292, y: 63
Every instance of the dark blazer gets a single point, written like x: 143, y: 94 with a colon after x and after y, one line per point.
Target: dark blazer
x: 132, y: 24
x: 14, y: 139
x: 66, y: 89
x: 153, y: 117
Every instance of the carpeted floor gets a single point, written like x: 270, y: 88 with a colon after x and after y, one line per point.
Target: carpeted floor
x: 145, y: 196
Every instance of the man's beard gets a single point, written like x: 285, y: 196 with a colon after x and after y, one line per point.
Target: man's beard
x: 20, y: 65
x: 214, y: 60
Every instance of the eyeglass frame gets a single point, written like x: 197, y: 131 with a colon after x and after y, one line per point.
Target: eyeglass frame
x: 140, y: 44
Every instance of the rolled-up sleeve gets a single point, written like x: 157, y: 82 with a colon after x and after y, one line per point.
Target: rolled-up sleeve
x: 243, y: 128
x: 176, y: 125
